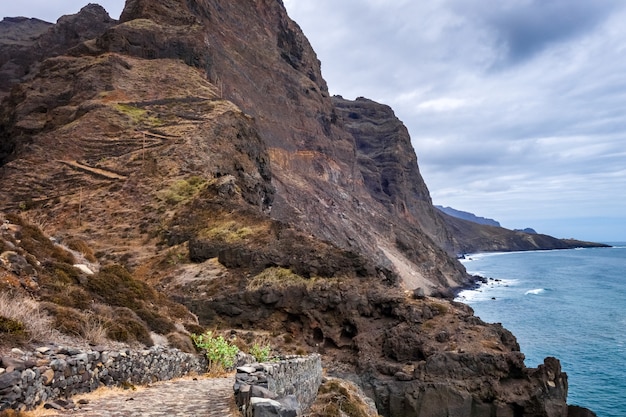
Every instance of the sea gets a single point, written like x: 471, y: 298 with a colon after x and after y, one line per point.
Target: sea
x: 570, y: 304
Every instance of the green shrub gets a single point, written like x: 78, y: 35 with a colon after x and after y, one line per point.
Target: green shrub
x: 261, y: 353
x: 181, y: 190
x: 66, y: 319
x: 63, y: 272
x: 220, y: 353
x: 12, y: 327
x: 275, y: 277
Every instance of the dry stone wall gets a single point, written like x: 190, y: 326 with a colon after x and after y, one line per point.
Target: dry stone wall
x: 285, y: 388
x: 53, y: 373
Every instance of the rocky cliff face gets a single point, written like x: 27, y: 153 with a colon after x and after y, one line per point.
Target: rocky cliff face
x: 195, y: 143
x: 26, y: 42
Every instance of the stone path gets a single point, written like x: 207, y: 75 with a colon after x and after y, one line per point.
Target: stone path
x: 206, y: 397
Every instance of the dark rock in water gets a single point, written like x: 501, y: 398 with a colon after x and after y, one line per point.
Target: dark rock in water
x: 576, y: 411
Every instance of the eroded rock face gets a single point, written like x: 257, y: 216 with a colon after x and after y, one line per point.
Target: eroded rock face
x: 389, y: 167
x: 24, y: 42
x: 271, y: 73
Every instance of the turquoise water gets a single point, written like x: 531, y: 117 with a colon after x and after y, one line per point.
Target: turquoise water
x: 569, y: 304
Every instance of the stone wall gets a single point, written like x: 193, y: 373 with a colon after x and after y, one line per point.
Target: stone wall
x: 53, y: 373
x: 285, y: 388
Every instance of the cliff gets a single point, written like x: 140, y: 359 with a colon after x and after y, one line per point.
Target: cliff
x: 193, y: 152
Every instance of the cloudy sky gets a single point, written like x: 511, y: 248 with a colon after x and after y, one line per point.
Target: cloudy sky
x: 517, y: 108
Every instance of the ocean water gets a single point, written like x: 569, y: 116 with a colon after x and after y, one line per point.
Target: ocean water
x: 570, y: 304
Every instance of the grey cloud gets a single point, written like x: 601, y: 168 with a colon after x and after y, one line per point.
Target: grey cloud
x: 524, y: 28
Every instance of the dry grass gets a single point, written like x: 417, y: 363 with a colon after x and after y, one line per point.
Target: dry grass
x: 13, y: 413
x: 341, y: 398
x: 229, y: 232
x: 95, y: 331
x: 277, y: 278
x: 24, y: 309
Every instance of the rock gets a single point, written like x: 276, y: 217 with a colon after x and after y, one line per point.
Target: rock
x: 260, y: 392
x: 419, y: 293
x: 39, y: 40
x: 66, y: 404
x: 17, y: 264
x: 243, y: 358
x: 576, y: 411
x: 84, y: 269
x: 246, y: 369
x: 265, y: 407
x: 13, y: 363
x: 53, y: 405
x: 47, y: 376
x: 9, y: 379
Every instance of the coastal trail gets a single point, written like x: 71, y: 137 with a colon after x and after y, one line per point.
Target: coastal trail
x: 206, y: 397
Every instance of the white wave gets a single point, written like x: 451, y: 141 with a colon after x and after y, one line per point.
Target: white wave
x: 536, y: 291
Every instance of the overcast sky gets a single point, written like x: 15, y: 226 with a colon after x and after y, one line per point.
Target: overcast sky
x: 517, y: 108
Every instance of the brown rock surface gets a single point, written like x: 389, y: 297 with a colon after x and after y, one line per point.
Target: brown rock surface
x: 24, y: 42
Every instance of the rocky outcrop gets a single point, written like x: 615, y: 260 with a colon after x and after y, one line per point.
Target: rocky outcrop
x: 414, y: 357
x: 391, y: 175
x: 25, y: 43
x: 388, y: 164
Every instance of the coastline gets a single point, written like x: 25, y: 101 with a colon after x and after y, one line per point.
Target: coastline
x: 577, y: 290
x: 477, y: 280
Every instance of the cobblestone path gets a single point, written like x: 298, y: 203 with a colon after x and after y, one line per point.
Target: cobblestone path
x: 204, y: 397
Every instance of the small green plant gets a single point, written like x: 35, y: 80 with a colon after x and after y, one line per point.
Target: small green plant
x: 138, y: 115
x: 181, y: 190
x: 261, y: 353
x: 220, y: 353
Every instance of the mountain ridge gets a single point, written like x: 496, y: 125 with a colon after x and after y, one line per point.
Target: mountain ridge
x: 468, y: 216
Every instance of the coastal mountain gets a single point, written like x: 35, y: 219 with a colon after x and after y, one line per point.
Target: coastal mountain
x: 193, y: 153
x: 468, y: 216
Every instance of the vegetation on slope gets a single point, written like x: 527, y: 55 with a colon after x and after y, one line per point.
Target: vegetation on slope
x: 43, y: 289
